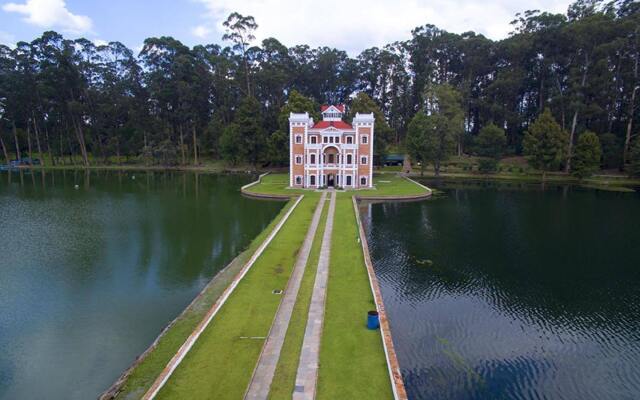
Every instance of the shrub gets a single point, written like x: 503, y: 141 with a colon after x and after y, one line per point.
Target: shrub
x: 488, y: 165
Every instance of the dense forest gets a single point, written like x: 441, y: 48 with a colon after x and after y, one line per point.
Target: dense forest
x: 74, y: 101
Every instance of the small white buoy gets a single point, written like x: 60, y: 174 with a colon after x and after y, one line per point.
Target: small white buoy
x: 133, y: 177
x: 76, y: 187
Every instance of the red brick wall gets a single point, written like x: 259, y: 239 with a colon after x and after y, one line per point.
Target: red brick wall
x: 364, y: 150
x: 297, y: 149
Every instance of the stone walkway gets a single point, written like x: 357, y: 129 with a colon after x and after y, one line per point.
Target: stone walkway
x: 263, y: 374
x: 307, y: 375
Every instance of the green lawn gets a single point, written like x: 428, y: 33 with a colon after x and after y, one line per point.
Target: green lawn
x: 352, y: 360
x: 385, y: 185
x: 285, y: 376
x: 390, y: 185
x: 221, y: 362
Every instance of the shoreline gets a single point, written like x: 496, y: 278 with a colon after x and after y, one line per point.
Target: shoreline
x: 210, y: 294
x: 554, y: 177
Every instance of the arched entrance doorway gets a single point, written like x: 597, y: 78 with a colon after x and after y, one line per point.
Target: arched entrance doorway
x: 331, y: 155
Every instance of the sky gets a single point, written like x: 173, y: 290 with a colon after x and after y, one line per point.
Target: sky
x: 352, y: 25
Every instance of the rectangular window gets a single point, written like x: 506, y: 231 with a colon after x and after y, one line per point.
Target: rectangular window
x: 349, y: 140
x: 313, y: 159
x: 363, y: 181
x: 298, y: 139
x: 363, y: 160
x: 298, y: 159
x: 325, y: 139
x: 364, y: 139
x: 349, y: 159
x: 348, y: 180
x: 298, y: 180
x: 312, y: 180
x: 331, y: 139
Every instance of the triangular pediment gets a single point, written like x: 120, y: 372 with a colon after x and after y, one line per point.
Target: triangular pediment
x: 332, y: 109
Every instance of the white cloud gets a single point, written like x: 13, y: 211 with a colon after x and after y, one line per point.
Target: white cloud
x: 100, y: 42
x: 51, y: 14
x: 358, y: 24
x: 201, y: 31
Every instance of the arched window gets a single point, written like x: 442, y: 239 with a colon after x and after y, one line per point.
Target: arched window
x: 313, y: 158
x: 349, y: 140
x: 298, y: 180
x: 349, y: 159
x: 363, y: 180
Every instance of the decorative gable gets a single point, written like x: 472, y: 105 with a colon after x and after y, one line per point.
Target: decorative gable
x: 332, y: 113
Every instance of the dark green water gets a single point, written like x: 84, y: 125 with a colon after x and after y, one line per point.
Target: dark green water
x: 507, y: 292
x: 89, y: 276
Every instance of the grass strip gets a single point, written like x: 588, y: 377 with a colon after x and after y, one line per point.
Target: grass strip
x: 384, y: 185
x: 352, y: 360
x: 221, y: 362
x: 285, y: 376
x: 144, y: 373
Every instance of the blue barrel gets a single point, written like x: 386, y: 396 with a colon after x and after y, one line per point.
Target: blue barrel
x: 373, y: 320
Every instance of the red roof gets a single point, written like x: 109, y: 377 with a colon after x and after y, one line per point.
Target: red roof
x: 338, y: 106
x: 336, y: 124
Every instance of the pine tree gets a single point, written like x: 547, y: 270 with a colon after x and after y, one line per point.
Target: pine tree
x: 231, y: 144
x: 491, y: 143
x: 545, y: 144
x: 251, y: 129
x: 586, y: 159
x: 416, y: 142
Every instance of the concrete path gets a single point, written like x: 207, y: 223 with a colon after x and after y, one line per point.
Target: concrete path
x: 307, y: 375
x: 263, y: 374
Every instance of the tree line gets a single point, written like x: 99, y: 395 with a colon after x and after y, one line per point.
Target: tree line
x: 74, y: 101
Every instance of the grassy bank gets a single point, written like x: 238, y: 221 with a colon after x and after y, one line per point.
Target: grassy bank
x: 221, y: 362
x: 285, y: 376
x: 142, y: 375
x: 352, y: 359
x: 385, y: 185
x: 609, y: 183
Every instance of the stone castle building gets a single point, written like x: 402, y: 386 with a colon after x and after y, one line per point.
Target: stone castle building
x: 331, y: 152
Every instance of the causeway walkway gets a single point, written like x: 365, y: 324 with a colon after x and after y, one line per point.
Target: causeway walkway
x: 307, y: 375
x: 201, y: 365
x: 265, y: 370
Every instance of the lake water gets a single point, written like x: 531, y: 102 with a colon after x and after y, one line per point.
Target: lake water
x: 90, y: 276
x: 512, y: 292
